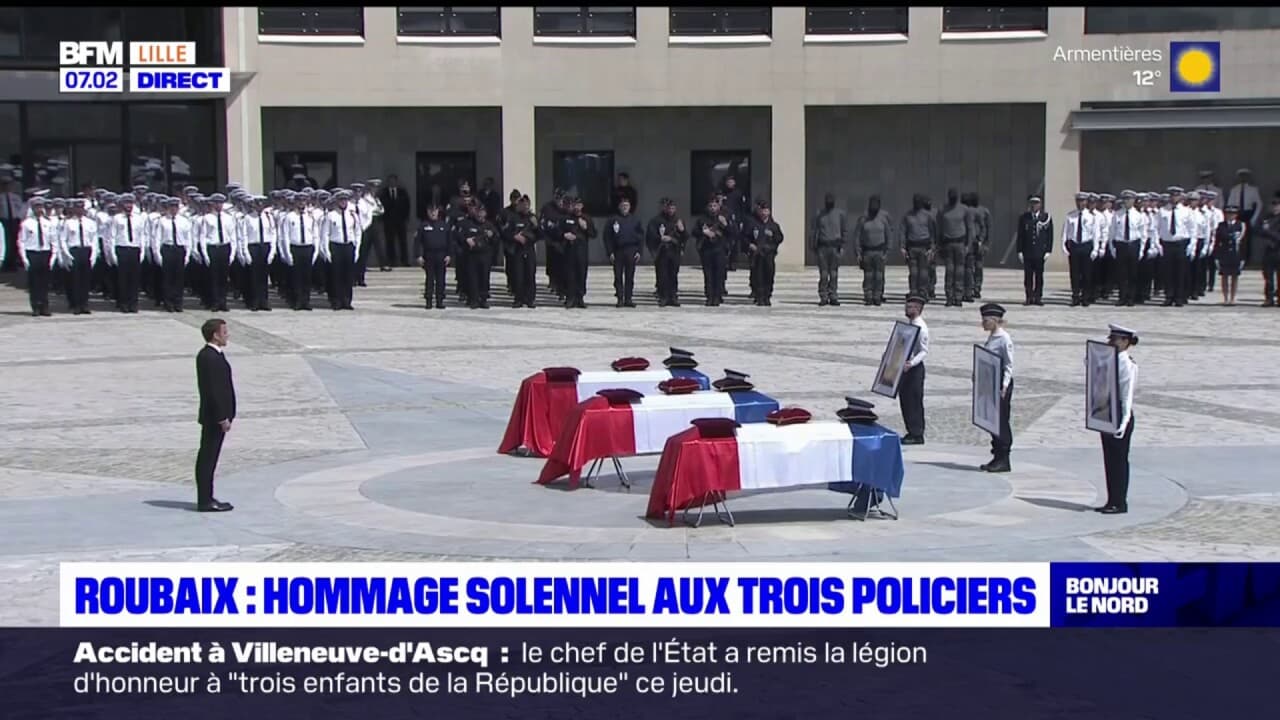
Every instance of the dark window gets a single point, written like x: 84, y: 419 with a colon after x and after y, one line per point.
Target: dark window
x: 721, y: 21
x: 10, y: 32
x: 459, y: 20
x: 75, y: 121
x: 10, y: 148
x: 319, y: 169
x: 311, y: 21
x: 855, y: 20
x: 709, y: 168
x: 587, y: 174
x: 438, y: 175
x: 1102, y: 20
x: 982, y: 19
x: 171, y: 143
x: 44, y: 27
x: 570, y: 21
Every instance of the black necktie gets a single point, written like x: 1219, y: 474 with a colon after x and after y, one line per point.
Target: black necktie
x: 261, y: 229
x: 40, y: 233
x: 219, y: 228
x: 1126, y: 226
x: 80, y: 223
x: 343, y: 218
x: 174, y: 223
x: 128, y: 222
x: 8, y: 207
x: 302, y: 230
x: 1080, y: 228
x: 1173, y: 222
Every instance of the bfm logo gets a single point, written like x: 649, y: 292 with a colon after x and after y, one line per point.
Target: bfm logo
x: 161, y: 76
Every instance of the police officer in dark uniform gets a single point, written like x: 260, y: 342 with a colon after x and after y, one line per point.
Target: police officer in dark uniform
x: 549, y: 219
x: 955, y: 225
x: 1034, y: 243
x: 873, y: 234
x: 975, y: 259
x: 763, y: 236
x: 623, y: 239
x: 501, y: 218
x: 711, y: 231
x: 478, y: 236
x: 520, y: 235
x: 666, y: 237
x: 919, y: 240
x: 734, y: 204
x: 1267, y: 232
x: 576, y: 231
x: 432, y: 245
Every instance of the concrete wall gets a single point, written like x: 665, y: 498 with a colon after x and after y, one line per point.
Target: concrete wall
x: 995, y: 150
x: 654, y: 146
x: 376, y: 142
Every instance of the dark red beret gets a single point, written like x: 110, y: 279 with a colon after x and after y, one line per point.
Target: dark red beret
x: 561, y: 374
x: 716, y: 427
x: 620, y: 396
x: 630, y: 364
x: 679, y: 386
x: 789, y: 416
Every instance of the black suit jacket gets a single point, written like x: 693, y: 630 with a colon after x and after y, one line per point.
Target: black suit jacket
x: 395, y: 211
x: 217, y: 391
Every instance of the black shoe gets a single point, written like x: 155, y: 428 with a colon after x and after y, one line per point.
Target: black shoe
x: 1114, y: 510
x: 361, y: 284
x: 999, y: 466
x: 221, y: 308
x: 528, y: 305
x: 824, y: 302
x: 977, y: 294
x: 440, y: 304
x: 618, y: 304
x: 35, y: 313
x: 968, y: 298
x: 629, y: 304
x: 1167, y: 303
x: 214, y: 506
x: 912, y: 440
x: 484, y: 304
x: 834, y: 302
x: 674, y: 303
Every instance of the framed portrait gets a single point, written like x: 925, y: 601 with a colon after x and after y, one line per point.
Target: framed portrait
x: 902, y: 341
x: 1102, y: 387
x: 988, y: 377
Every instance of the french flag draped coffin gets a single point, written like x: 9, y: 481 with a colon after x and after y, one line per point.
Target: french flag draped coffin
x: 696, y: 469
x: 543, y: 404
x: 597, y: 429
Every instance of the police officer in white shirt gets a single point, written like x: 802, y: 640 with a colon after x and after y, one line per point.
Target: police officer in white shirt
x: 1208, y: 258
x: 343, y: 225
x: 257, y: 247
x: 37, y: 248
x: 1000, y: 343
x: 1244, y: 195
x: 1128, y: 233
x: 126, y: 242
x: 79, y: 251
x: 1177, y: 228
x: 1079, y: 244
x: 216, y: 242
x: 911, y: 387
x: 1115, y: 446
x: 1148, y: 267
x: 1103, y: 270
x: 1195, y: 249
x: 371, y: 209
x: 174, y: 245
x: 298, y: 240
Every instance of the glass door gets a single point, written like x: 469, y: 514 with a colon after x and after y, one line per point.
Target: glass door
x: 438, y: 175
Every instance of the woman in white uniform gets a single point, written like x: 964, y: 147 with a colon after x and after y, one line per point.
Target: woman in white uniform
x: 1115, y: 446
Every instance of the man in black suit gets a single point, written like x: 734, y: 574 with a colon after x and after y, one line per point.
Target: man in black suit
x: 395, y: 204
x: 217, y: 410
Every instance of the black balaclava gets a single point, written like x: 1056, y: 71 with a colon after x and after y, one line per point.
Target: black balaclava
x: 873, y: 207
x: 829, y: 201
x: 919, y: 202
x: 953, y: 197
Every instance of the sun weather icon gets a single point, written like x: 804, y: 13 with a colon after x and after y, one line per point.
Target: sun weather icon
x: 1195, y: 67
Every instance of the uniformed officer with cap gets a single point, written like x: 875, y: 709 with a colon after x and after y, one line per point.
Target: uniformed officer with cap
x: 711, y: 232
x: 1208, y: 257
x: 1034, y: 242
x: 174, y: 246
x: 1103, y: 270
x: 1000, y: 343
x: 257, y: 246
x: 298, y: 241
x: 1267, y: 233
x: 1230, y: 247
x: 873, y: 235
x: 762, y: 236
x: 79, y: 249
x: 216, y: 243
x: 1079, y: 244
x: 343, y: 227
x: 36, y: 247
x: 1127, y: 241
x: 623, y: 242
x: 1115, y: 446
x: 911, y: 387
x: 550, y: 218
x: 1244, y: 195
x: 126, y: 244
x: 1177, y: 228
x: 520, y: 236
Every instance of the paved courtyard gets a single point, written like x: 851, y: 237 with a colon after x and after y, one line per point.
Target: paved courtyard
x: 372, y: 435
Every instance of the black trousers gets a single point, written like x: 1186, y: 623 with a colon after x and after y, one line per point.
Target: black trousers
x: 38, y: 274
x: 1175, y: 271
x: 128, y: 273
x: 342, y: 274
x: 173, y: 273
x: 300, y: 276
x: 1270, y: 268
x: 477, y: 273
x: 1001, y: 444
x: 713, y: 269
x: 256, y: 277
x: 375, y: 238
x: 953, y: 252
x: 911, y: 400
x: 396, y: 251
x: 1033, y: 275
x: 763, y: 270
x: 211, y: 437
x: 11, y: 259
x: 217, y: 273
x: 1081, y: 266
x: 433, y: 268
x: 1115, y: 462
x: 666, y: 267
x: 624, y: 272
x: 555, y: 267
x: 1125, y: 267
x: 80, y: 278
x: 523, y: 271
x: 973, y: 268
x: 575, y: 271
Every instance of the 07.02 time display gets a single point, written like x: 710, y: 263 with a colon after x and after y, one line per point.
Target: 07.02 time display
x: 95, y: 80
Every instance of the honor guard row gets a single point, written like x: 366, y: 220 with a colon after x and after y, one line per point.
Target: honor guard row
x: 130, y: 243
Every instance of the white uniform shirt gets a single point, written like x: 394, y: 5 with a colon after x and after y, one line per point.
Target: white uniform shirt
x: 125, y: 230
x: 38, y: 234
x: 208, y: 232
x: 1246, y: 198
x: 76, y: 233
x: 922, y: 343
x: 1152, y: 233
x: 1001, y: 344
x: 298, y: 228
x: 257, y: 228
x: 351, y: 219
x: 1088, y: 235
x: 1128, y: 379
x: 1105, y: 218
x: 174, y: 230
x: 1214, y: 217
x: 1137, y: 229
